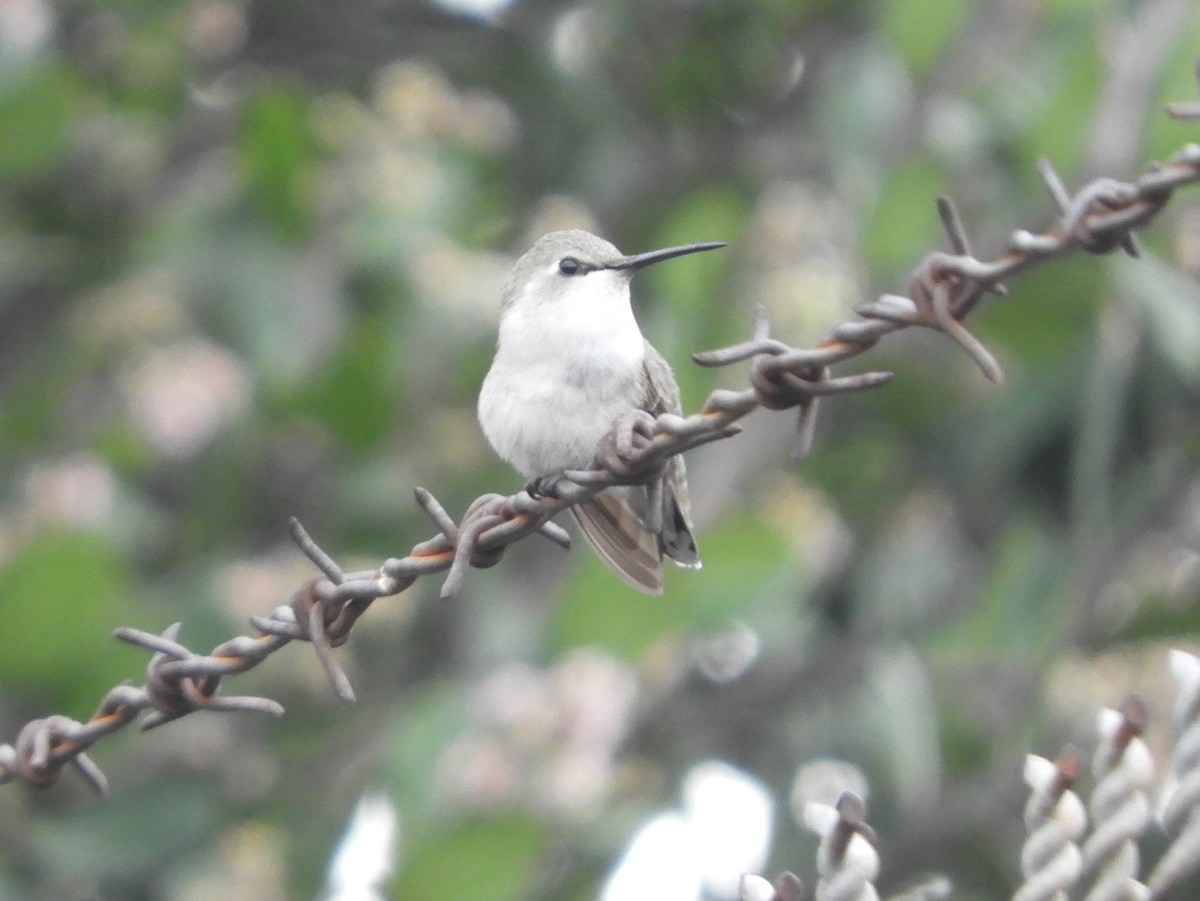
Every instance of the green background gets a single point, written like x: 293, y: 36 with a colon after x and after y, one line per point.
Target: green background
x: 250, y: 256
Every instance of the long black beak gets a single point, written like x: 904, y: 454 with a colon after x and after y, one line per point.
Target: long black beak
x: 638, y: 260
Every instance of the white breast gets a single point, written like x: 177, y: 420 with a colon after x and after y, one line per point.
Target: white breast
x: 563, y: 373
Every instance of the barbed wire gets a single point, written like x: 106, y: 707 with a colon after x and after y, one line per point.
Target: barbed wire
x: 942, y: 290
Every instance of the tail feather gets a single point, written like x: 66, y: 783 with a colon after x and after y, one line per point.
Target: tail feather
x: 614, y: 523
x: 622, y: 541
x: 678, y: 542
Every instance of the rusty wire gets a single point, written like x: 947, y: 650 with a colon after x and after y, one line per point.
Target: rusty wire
x: 943, y: 289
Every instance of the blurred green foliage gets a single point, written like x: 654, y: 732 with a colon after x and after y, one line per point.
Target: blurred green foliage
x: 250, y: 255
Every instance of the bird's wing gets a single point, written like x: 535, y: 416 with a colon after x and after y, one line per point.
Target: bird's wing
x: 661, y: 395
x: 620, y: 538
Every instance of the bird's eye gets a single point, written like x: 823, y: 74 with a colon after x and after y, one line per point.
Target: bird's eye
x: 569, y: 266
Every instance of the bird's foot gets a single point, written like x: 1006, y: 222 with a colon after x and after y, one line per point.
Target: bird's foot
x: 544, y: 486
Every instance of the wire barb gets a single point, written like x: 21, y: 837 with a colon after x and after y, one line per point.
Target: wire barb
x: 943, y: 289
x: 313, y: 552
x: 179, y: 682
x: 1186, y: 110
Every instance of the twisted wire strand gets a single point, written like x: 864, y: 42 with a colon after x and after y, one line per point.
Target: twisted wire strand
x: 1055, y: 819
x: 942, y: 290
x: 847, y: 862
x: 1119, y: 806
x: 1181, y: 814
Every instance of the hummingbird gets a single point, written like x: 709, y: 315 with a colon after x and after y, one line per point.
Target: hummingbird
x: 570, y: 364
